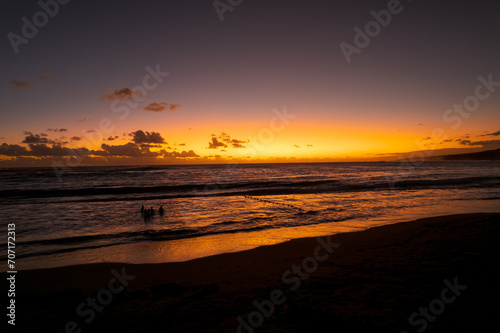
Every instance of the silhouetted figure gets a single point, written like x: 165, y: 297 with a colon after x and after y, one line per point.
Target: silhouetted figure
x: 152, y: 210
x: 161, y: 210
x: 142, y: 209
x: 146, y: 214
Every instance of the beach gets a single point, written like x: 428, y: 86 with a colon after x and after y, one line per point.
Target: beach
x: 250, y: 166
x: 368, y: 281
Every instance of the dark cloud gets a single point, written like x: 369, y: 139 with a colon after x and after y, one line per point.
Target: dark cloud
x: 216, y: 144
x: 123, y: 94
x: 60, y: 141
x: 223, y: 140
x: 44, y: 150
x: 173, y: 107
x: 296, y: 146
x: 76, y: 138
x: 146, y: 137
x: 35, y: 138
x: 156, y: 107
x: 48, y: 78
x: 162, y: 106
x: 36, y: 149
x: 181, y: 144
x: 134, y: 150
x: 111, y: 138
x: 19, y: 84
x: 108, y: 153
x: 57, y: 129
x: 147, y: 145
x: 489, y: 144
x: 497, y: 133
x: 224, y: 137
x: 13, y: 150
x: 129, y: 149
x: 184, y: 154
x: 237, y: 143
x: 309, y: 146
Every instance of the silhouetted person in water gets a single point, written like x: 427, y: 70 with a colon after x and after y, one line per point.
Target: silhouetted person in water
x: 142, y: 209
x: 161, y: 210
x: 152, y: 210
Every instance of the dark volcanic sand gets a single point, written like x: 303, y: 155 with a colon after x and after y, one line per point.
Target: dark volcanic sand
x: 372, y: 283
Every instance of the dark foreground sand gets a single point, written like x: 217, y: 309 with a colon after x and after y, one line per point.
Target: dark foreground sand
x: 373, y: 282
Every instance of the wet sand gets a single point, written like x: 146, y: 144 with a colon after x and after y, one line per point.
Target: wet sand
x: 441, y: 271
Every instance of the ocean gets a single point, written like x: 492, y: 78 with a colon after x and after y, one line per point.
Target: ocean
x: 93, y: 214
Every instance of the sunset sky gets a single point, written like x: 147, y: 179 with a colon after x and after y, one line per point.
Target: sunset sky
x: 259, y: 81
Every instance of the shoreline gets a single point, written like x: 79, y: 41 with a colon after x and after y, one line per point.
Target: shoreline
x: 376, y: 279
x: 180, y: 250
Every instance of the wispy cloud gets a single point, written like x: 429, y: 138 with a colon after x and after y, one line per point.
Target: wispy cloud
x: 497, y: 133
x: 162, y: 106
x: 19, y: 84
x: 48, y: 78
x: 57, y: 129
x: 489, y: 144
x: 123, y: 94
